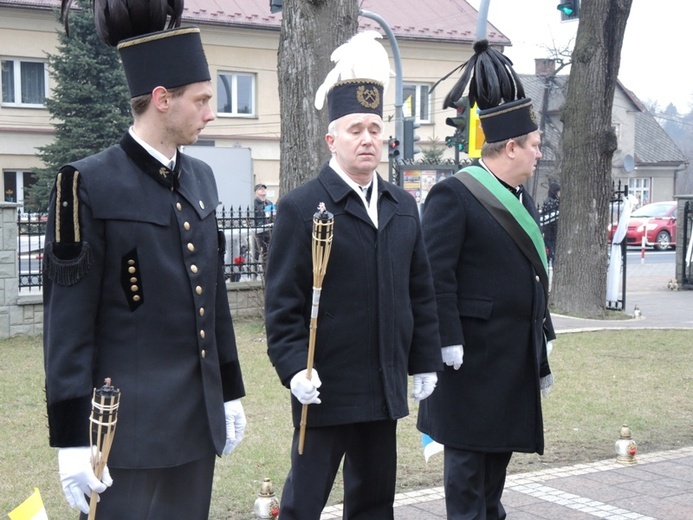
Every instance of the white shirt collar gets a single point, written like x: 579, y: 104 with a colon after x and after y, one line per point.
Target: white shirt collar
x: 152, y: 151
x: 372, y: 204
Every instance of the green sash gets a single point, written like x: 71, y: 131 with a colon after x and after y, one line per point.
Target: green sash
x: 510, y: 214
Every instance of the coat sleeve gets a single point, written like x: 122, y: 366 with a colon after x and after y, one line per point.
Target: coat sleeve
x: 425, y: 355
x: 71, y: 299
x: 229, y: 365
x: 443, y: 218
x: 288, y: 282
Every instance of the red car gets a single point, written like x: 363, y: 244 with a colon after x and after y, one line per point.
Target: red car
x: 657, y: 221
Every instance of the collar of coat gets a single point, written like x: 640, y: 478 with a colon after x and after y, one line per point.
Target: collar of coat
x: 339, y: 190
x: 390, y: 197
x: 149, y: 164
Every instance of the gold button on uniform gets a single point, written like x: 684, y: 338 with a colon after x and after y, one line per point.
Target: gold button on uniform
x: 198, y: 289
x: 134, y: 288
x: 202, y: 311
x: 191, y: 247
x: 186, y: 225
x: 131, y: 262
x: 202, y: 205
x: 133, y: 280
x: 135, y: 298
x: 179, y: 207
x: 536, y: 278
x: 203, y: 354
x: 193, y: 268
x: 202, y: 334
x: 132, y: 270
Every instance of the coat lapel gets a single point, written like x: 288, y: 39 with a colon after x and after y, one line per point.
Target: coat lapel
x: 342, y: 194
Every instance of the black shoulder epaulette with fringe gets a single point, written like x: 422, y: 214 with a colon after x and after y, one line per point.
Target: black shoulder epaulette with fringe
x: 68, y: 258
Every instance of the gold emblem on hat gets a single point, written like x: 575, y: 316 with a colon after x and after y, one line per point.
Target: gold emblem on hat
x: 533, y: 115
x: 368, y: 97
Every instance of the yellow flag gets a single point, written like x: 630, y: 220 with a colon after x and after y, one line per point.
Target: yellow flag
x: 31, y: 509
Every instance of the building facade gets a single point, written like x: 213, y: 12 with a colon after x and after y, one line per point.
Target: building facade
x: 646, y: 159
x: 241, y: 44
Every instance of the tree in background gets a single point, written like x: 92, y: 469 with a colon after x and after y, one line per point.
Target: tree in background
x: 589, y: 142
x: 311, y: 30
x: 680, y: 128
x: 90, y: 103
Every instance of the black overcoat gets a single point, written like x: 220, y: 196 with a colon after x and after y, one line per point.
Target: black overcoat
x: 149, y: 309
x: 490, y: 299
x: 377, y: 321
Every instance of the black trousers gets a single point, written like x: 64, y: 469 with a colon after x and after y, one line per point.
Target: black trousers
x: 158, y: 494
x: 370, y: 467
x: 474, y: 484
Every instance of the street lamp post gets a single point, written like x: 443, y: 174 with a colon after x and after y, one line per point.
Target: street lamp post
x: 399, y: 102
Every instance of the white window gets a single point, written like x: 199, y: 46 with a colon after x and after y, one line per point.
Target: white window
x: 417, y: 102
x: 640, y: 187
x: 236, y: 94
x: 16, y: 182
x: 24, y: 83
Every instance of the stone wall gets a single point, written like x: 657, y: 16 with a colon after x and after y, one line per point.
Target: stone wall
x: 21, y: 312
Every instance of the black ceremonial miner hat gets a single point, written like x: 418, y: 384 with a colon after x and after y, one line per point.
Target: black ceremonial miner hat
x: 355, y: 96
x: 170, y: 59
x: 508, y: 120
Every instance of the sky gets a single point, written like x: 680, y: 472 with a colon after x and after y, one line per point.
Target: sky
x: 657, y: 48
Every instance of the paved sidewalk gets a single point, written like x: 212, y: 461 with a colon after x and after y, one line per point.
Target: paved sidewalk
x: 658, y: 487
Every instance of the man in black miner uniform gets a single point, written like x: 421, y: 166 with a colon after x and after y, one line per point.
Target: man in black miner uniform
x: 377, y: 320
x: 134, y: 291
x: 490, y: 273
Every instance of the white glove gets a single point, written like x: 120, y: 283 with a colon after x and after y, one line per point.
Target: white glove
x: 235, y: 424
x: 424, y: 384
x: 453, y: 356
x: 546, y: 385
x: 549, y: 348
x: 306, y: 390
x: 78, y: 478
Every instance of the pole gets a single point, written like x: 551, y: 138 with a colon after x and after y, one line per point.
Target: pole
x: 481, y: 20
x: 642, y: 247
x: 399, y: 96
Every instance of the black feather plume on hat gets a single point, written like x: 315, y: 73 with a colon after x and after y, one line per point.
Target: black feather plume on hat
x: 490, y: 77
x: 117, y: 20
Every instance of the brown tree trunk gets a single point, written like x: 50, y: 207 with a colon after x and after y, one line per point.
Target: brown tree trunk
x: 311, y: 30
x: 589, y: 142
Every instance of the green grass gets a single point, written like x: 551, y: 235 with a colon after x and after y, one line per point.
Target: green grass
x: 603, y: 379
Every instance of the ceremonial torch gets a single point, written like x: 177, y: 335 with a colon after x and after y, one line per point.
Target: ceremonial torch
x: 103, y: 419
x: 323, y: 230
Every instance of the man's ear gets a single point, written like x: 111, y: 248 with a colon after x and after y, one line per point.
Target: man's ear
x: 510, y: 148
x: 329, y: 139
x: 161, y: 98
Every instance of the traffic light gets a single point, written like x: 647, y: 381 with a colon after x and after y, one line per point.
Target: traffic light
x: 570, y: 9
x: 461, y: 124
x: 410, y: 125
x: 393, y: 148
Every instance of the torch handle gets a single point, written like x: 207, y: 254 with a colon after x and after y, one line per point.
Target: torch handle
x: 309, y: 374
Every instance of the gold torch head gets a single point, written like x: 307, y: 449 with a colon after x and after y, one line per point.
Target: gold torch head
x: 323, y: 224
x: 323, y: 229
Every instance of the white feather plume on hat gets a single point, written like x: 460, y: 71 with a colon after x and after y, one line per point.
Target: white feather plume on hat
x: 362, y: 57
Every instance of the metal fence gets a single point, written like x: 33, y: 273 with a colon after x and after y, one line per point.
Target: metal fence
x: 247, y: 239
